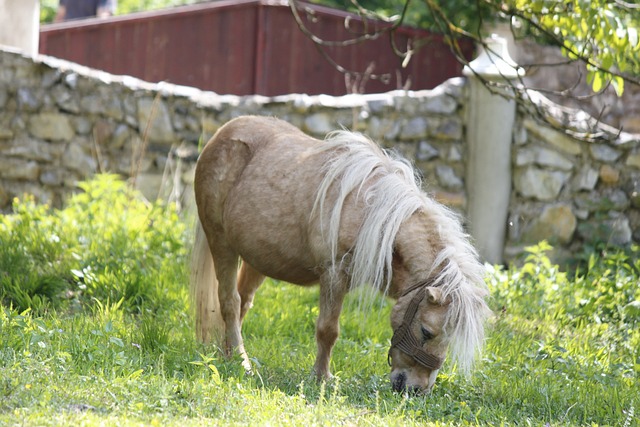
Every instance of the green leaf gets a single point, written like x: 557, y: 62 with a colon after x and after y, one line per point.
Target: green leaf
x: 117, y: 341
x: 215, y: 374
x: 618, y: 85
x: 598, y: 82
x: 607, y: 62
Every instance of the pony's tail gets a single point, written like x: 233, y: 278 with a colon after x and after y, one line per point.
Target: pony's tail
x: 204, y: 291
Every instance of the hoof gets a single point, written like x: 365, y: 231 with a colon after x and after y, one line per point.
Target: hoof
x: 246, y: 364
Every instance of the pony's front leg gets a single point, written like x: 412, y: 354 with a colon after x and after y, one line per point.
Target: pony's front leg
x: 328, y: 325
x: 226, y: 265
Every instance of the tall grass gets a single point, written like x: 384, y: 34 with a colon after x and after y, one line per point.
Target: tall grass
x: 95, y: 328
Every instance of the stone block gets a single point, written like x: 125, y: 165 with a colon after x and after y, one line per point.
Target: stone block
x: 426, y: 151
x: 439, y: 103
x: 5, y: 132
x: 75, y: 158
x: 65, y: 99
x: 19, y: 169
x: 454, y: 154
x: 4, y: 96
x: 540, y: 184
x: 28, y: 100
x: 379, y: 102
x: 609, y: 175
x: 614, y: 231
x: 604, y: 153
x: 51, y: 126
x: 154, y: 116
x: 82, y: 125
x: 586, y: 179
x: 383, y: 128
x: 407, y: 103
x: 633, y: 160
x: 319, y: 124
x: 32, y: 149
x: 415, y: 128
x: 52, y: 176
x: 448, y: 178
x: 554, y: 137
x: 555, y: 224
x: 610, y: 200
x: 543, y: 157
x: 449, y: 128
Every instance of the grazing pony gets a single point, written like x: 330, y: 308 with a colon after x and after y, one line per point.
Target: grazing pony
x: 342, y: 213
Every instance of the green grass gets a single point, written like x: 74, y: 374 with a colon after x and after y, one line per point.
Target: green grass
x: 95, y: 329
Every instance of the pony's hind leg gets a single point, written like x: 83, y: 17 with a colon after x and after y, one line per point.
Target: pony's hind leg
x: 226, y: 262
x: 249, y: 280
x: 328, y: 324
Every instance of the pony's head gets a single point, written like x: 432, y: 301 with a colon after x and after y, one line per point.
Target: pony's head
x: 419, y: 344
x: 444, y: 313
x: 435, y: 269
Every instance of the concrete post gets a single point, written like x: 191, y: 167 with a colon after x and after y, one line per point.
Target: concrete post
x: 20, y: 25
x: 490, y: 118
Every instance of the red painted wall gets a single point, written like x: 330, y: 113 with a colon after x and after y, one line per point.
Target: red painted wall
x: 246, y: 47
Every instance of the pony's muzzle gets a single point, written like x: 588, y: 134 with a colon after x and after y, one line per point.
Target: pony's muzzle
x: 401, y: 384
x: 398, y: 381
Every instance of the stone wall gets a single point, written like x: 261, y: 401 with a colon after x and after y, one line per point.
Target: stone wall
x: 61, y: 123
x: 572, y: 191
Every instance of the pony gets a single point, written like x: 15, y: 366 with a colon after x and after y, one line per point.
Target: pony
x: 340, y: 212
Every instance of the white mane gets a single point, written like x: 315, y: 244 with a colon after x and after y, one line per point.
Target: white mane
x: 392, y: 194
x: 388, y: 199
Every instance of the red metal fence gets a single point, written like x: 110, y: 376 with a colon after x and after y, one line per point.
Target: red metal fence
x: 247, y: 47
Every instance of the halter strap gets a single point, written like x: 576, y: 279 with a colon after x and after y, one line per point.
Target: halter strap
x: 418, y: 285
x: 404, y: 339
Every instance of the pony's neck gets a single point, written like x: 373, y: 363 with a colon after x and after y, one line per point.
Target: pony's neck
x: 416, y: 248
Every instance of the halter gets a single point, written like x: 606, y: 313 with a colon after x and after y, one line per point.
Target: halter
x: 403, y: 337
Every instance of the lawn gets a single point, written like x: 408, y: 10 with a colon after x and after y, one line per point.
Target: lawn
x: 95, y: 329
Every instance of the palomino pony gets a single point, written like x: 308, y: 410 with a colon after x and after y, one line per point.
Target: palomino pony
x: 339, y: 212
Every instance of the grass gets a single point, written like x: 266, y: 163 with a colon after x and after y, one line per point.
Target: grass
x: 95, y: 329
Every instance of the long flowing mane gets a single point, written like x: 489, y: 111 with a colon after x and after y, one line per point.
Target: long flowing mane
x: 391, y: 196
x: 391, y: 192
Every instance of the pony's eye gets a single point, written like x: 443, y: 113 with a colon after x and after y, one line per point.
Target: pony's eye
x: 426, y: 335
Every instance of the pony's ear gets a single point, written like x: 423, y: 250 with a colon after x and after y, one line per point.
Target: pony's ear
x: 434, y: 295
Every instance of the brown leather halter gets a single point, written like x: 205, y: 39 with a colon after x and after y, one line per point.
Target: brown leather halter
x: 403, y: 338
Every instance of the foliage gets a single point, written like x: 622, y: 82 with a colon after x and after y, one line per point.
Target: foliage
x: 602, y: 291
x: 33, y: 265
x: 113, y: 343
x: 48, y: 7
x: 107, y: 244
x: 602, y: 33
x: 129, y: 6
x: 48, y: 10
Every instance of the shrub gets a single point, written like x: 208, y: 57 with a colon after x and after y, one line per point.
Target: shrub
x: 108, y: 244
x: 605, y: 290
